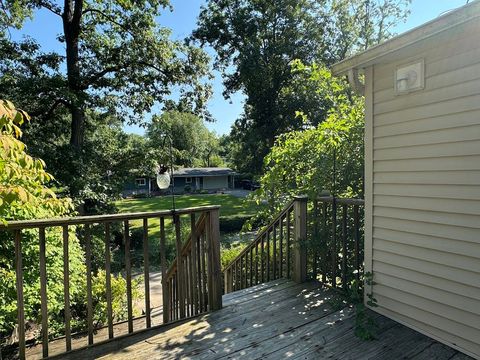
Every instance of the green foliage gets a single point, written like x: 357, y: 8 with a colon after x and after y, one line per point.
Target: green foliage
x: 302, y: 162
x: 118, y: 61
x: 24, y: 195
x: 229, y: 252
x: 193, y: 144
x: 365, y: 325
x: 233, y: 223
x: 257, y: 40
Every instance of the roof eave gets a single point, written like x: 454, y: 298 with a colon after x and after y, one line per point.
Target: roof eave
x: 422, y: 32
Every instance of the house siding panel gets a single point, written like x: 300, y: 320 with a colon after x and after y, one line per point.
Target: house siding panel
x: 217, y: 182
x: 425, y: 193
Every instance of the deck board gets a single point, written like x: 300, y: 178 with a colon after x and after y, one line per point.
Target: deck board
x: 276, y: 320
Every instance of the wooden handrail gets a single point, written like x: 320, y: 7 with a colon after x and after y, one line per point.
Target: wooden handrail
x: 80, y: 220
x: 179, y: 282
x: 275, y: 248
x: 200, y: 224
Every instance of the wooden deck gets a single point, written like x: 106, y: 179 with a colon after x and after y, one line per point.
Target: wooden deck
x: 276, y: 320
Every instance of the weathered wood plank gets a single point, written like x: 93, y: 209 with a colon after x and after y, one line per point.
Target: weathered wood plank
x: 66, y: 289
x: 88, y: 262
x: 165, y: 285
x: 146, y: 274
x: 43, y: 292
x: 128, y: 271
x: 108, y: 285
x: 295, y: 322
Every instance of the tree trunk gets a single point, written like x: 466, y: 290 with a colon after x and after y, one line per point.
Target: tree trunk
x: 71, y: 27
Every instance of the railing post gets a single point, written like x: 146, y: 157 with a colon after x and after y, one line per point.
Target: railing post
x: 300, y: 248
x: 214, y: 267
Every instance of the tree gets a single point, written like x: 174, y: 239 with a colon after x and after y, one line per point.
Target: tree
x: 24, y: 195
x: 117, y: 60
x: 256, y: 42
x: 326, y: 158
x: 193, y: 144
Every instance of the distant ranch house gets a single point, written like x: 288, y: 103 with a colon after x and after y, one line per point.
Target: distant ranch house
x: 185, y: 180
x: 197, y: 179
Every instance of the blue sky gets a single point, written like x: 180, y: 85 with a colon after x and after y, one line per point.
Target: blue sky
x: 182, y: 21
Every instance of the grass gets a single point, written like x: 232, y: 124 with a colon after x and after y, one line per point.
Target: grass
x: 230, y: 205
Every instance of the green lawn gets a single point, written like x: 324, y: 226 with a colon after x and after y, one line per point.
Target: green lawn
x: 230, y: 205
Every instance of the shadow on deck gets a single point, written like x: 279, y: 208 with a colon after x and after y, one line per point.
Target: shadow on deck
x: 276, y: 320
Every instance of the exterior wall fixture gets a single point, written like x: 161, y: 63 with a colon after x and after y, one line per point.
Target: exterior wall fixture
x: 409, y: 77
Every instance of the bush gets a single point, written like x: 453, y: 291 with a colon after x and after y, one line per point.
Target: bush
x: 229, y: 252
x: 233, y: 223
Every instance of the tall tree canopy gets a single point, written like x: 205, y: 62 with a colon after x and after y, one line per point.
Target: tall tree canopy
x: 193, y: 144
x: 257, y: 40
x: 117, y: 60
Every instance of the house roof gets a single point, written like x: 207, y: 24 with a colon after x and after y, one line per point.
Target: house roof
x: 374, y: 54
x: 206, y: 171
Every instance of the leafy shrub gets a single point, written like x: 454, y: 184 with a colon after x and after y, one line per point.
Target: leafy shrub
x: 24, y: 195
x: 229, y: 252
x: 233, y: 223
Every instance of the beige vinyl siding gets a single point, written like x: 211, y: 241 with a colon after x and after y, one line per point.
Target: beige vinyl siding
x: 423, y: 239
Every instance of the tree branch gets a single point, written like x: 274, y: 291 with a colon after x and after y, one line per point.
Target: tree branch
x: 50, y: 7
x: 109, y: 18
x: 90, y: 80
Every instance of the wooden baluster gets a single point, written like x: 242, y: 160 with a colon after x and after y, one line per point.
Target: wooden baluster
x: 193, y: 252
x: 281, y: 247
x: 240, y: 264
x: 234, y: 275
x: 325, y: 243
x: 20, y: 303
x: 344, y: 246
x: 199, y: 272
x: 357, y: 242
x: 108, y: 285
x: 262, y: 259
x: 256, y: 262
x: 172, y: 299
x: 88, y: 262
x: 214, y: 270
x: 180, y: 269
x: 43, y: 292
x: 334, y: 243
x: 251, y: 266
x: 268, y: 256
x: 274, y: 251
x: 246, y: 270
x: 204, y: 273
x: 166, y: 290
x: 185, y: 286
x: 316, y: 239
x: 289, y: 240
x: 146, y: 274
x: 128, y: 271
x: 66, y: 289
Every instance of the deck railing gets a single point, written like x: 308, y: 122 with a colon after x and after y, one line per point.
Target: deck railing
x: 191, y: 286
x: 320, y: 239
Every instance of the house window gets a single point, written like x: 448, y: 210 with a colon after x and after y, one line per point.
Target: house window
x: 140, y: 182
x: 188, y: 180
